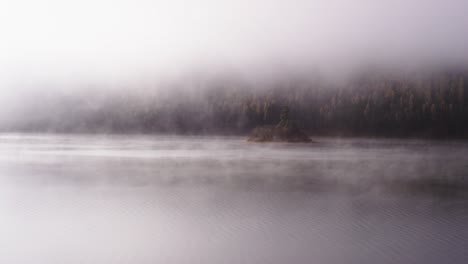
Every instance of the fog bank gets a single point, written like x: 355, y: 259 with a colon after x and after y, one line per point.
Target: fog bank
x: 51, y: 40
x: 64, y: 59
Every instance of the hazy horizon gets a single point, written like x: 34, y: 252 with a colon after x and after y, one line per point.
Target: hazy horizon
x: 233, y: 131
x: 91, y: 52
x: 105, y: 41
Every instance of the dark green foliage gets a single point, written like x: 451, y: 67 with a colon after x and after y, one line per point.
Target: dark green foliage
x: 429, y: 105
x: 284, y: 118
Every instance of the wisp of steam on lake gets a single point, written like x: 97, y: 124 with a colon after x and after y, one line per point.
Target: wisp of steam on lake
x: 233, y: 131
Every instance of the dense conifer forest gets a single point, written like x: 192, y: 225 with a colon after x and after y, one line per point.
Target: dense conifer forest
x: 419, y: 105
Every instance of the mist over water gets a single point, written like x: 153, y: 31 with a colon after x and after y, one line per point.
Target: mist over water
x: 172, y: 199
x: 127, y: 78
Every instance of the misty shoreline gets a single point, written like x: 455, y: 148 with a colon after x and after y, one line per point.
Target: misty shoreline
x: 432, y: 105
x: 337, y: 135
x: 316, y: 138
x: 354, y: 166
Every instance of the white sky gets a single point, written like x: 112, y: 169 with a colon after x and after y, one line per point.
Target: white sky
x: 47, y: 40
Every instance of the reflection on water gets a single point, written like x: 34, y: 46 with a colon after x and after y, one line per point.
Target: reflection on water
x: 146, y: 199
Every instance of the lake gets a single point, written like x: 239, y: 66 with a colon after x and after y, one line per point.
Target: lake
x: 186, y: 199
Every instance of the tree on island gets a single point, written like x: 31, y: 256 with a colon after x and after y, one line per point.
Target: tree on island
x: 286, y: 130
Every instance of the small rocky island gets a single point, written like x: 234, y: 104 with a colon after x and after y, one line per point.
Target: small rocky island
x: 286, y: 131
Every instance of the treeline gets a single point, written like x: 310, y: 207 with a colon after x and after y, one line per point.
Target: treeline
x: 419, y: 105
x: 432, y: 107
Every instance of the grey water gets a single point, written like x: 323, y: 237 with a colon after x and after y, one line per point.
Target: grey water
x: 186, y: 199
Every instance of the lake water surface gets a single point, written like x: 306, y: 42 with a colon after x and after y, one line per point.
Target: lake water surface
x: 173, y: 199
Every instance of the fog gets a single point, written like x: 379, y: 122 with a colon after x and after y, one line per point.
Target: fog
x: 123, y: 68
x: 54, y: 52
x: 51, y: 41
x: 145, y: 199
